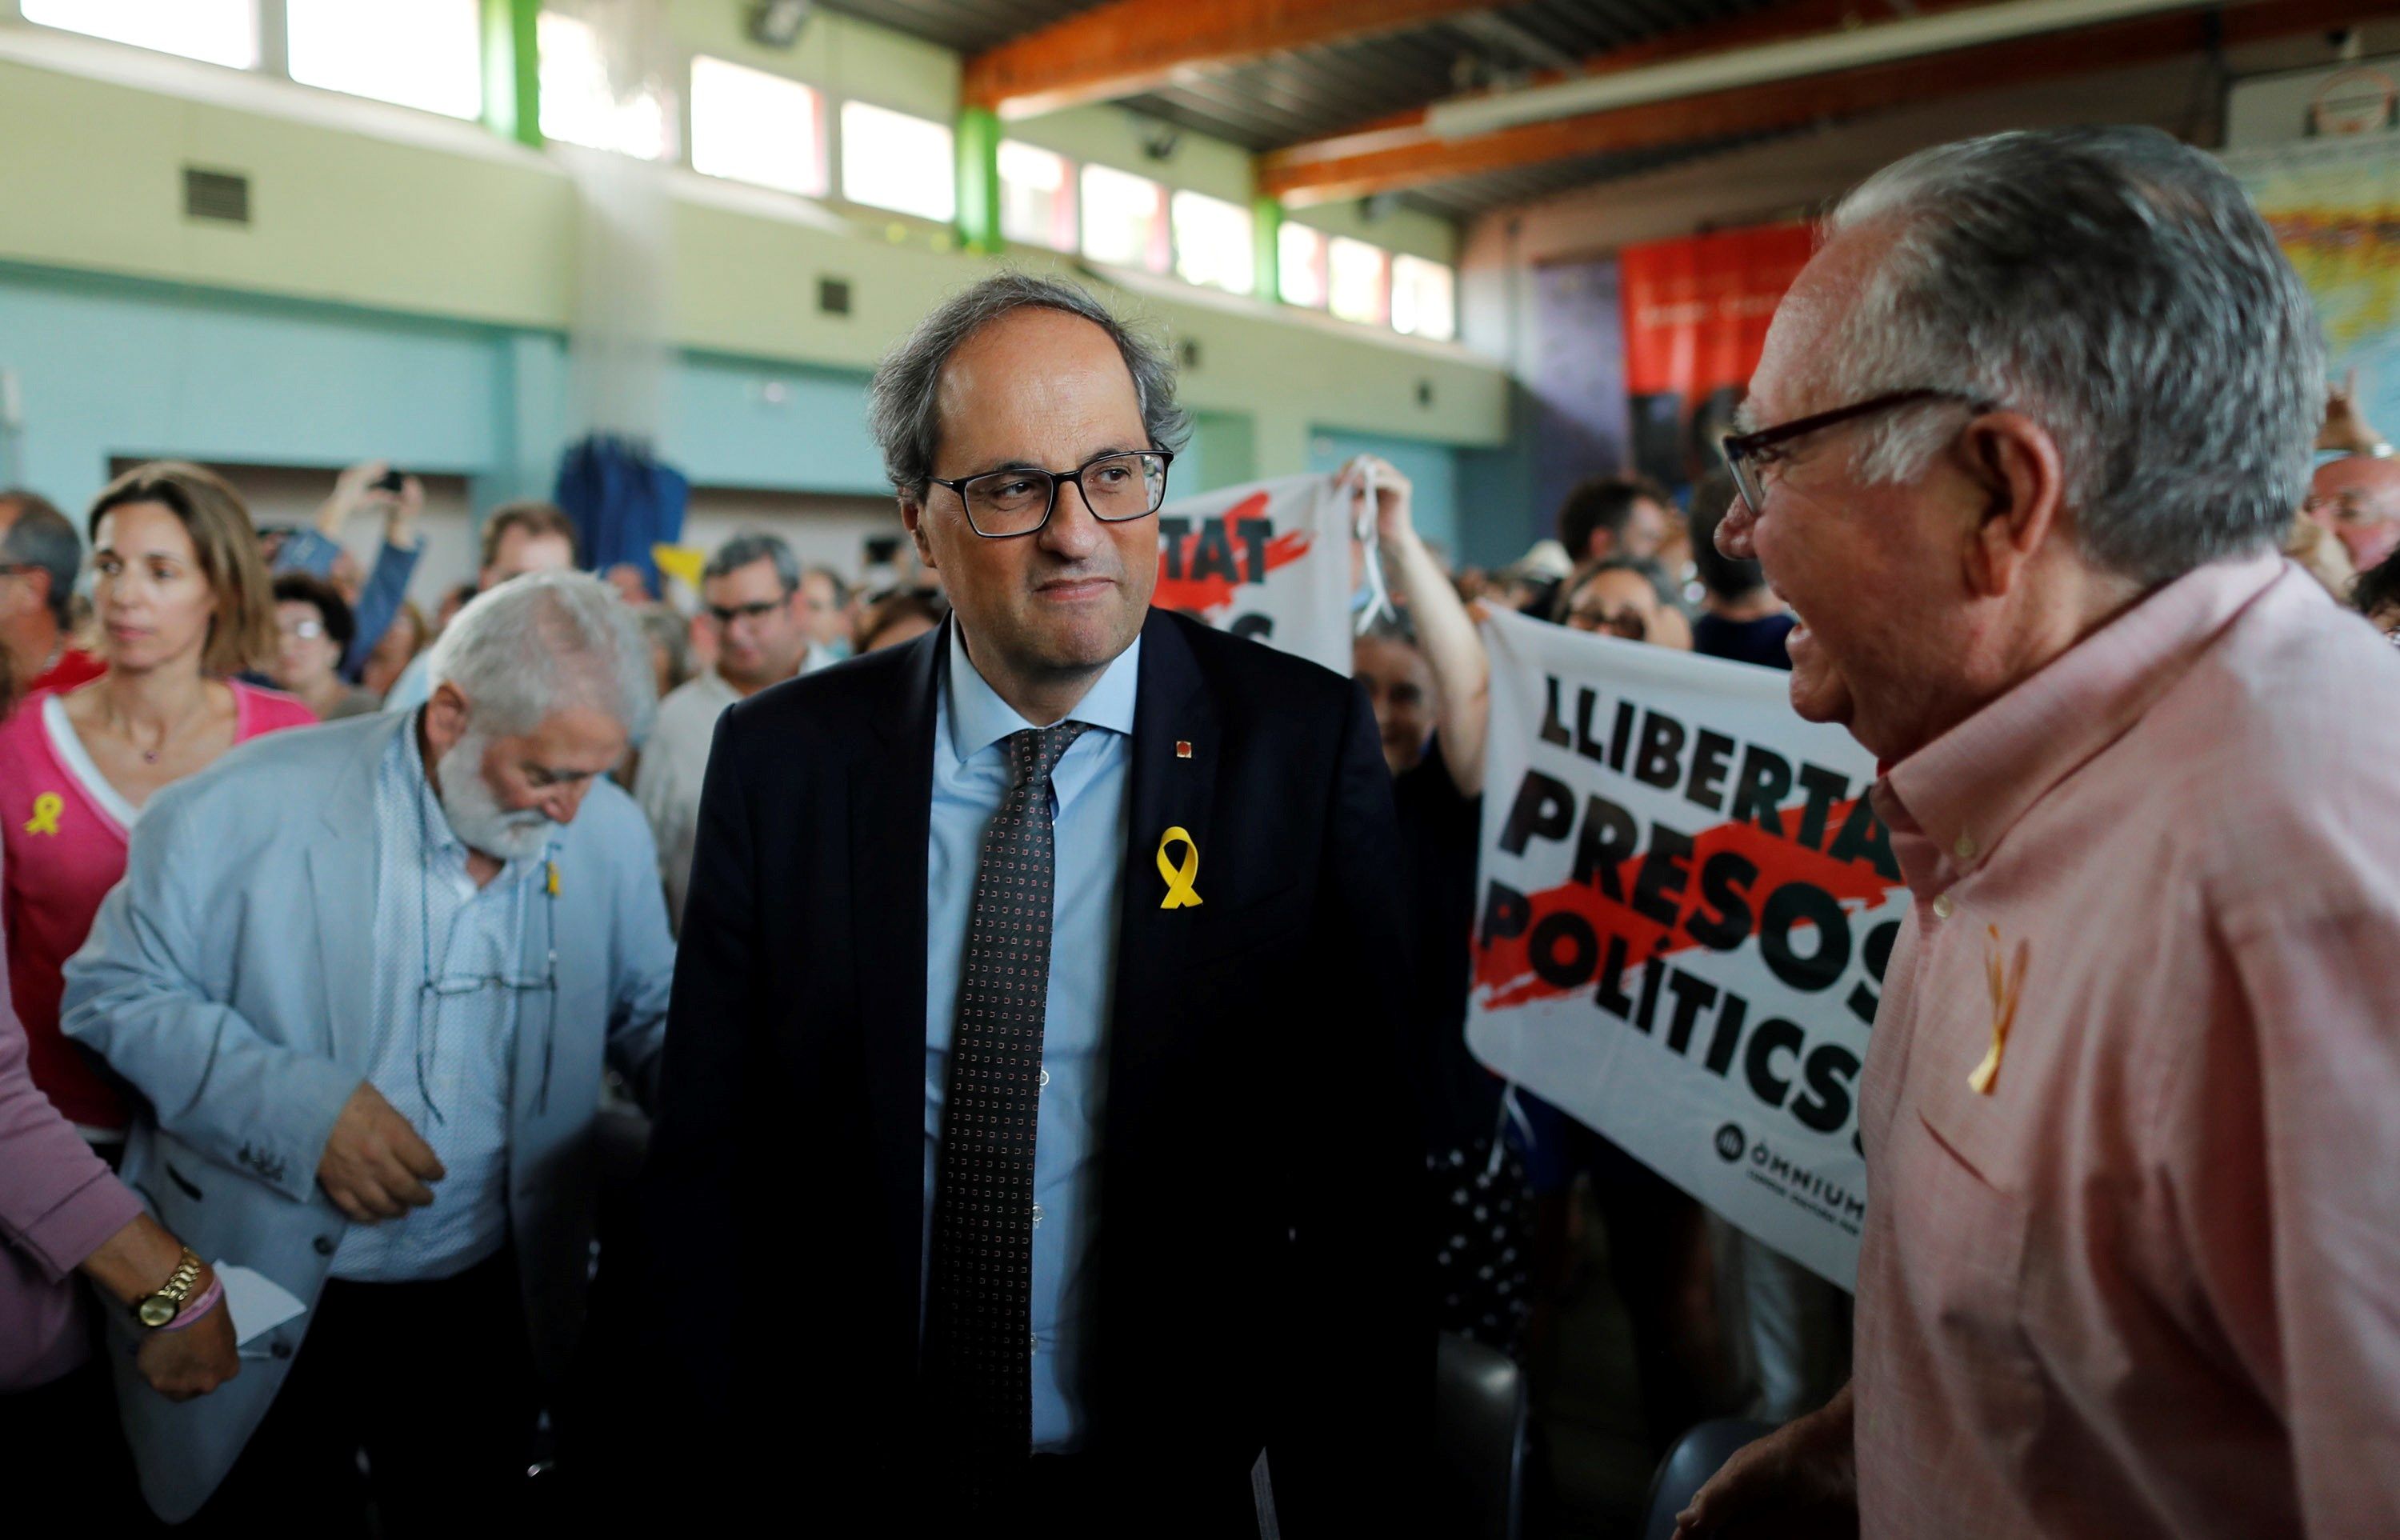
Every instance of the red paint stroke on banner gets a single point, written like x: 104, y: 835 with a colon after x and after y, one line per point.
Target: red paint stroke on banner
x: 1505, y: 969
x: 1207, y: 595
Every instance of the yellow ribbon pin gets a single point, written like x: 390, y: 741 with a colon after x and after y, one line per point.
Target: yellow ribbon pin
x: 47, y: 809
x: 2006, y: 984
x: 1180, y: 893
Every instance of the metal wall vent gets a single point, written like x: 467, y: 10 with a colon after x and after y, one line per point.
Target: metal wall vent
x: 216, y: 195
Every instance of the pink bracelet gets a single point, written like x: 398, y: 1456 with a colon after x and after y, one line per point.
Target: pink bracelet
x: 200, y: 1306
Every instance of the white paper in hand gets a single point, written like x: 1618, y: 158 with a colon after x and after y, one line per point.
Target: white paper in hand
x: 256, y: 1304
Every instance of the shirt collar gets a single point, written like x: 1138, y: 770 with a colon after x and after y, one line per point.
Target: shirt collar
x: 1963, y: 792
x: 980, y: 718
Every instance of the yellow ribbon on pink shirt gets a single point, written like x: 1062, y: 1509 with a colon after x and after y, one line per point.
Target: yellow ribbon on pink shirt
x: 2007, y: 985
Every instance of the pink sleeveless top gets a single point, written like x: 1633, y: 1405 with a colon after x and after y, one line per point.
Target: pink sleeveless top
x: 64, y: 830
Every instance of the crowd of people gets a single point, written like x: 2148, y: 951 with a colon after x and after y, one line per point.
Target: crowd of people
x: 996, y: 1175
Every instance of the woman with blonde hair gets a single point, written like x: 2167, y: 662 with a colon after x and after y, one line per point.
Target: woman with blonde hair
x: 184, y: 604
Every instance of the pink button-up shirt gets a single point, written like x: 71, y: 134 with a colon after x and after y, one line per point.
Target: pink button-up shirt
x: 2149, y: 1283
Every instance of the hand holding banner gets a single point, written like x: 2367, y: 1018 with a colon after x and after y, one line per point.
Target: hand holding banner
x: 1272, y: 561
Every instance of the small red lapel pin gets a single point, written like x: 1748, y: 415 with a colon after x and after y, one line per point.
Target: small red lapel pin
x: 1183, y: 748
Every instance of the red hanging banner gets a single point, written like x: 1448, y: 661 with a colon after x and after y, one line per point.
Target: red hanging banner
x: 1696, y: 316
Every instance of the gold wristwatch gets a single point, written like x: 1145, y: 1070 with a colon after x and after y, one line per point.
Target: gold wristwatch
x: 164, y: 1306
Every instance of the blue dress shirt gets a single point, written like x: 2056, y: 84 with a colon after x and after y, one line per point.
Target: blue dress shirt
x: 450, y: 979
x: 1088, y: 804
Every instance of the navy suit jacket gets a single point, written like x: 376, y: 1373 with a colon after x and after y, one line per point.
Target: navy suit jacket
x: 1260, y: 1276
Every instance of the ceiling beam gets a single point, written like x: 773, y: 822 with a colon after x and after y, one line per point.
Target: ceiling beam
x: 1785, y: 22
x: 1403, y: 151
x: 1128, y: 46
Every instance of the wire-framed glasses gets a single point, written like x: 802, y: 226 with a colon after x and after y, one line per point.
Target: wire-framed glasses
x: 1118, y: 489
x: 1748, y: 454
x: 438, y: 985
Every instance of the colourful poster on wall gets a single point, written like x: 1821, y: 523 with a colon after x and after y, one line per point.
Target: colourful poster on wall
x: 2335, y: 206
x: 1695, y: 315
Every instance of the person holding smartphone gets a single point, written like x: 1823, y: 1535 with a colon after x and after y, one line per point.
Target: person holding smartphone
x: 368, y: 486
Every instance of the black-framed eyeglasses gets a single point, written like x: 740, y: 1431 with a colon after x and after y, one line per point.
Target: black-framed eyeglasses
x: 725, y: 615
x: 1627, y: 622
x: 1118, y: 489
x: 1747, y: 454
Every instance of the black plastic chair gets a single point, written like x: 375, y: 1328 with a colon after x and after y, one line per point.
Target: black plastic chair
x: 1698, y: 1455
x: 1480, y: 1417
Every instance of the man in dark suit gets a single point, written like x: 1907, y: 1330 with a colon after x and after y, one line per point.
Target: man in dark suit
x: 1035, y: 1147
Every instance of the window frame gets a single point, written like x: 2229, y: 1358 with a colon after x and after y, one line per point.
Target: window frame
x: 1187, y: 197
x: 1067, y: 240
x: 1322, y: 266
x: 671, y: 150
x: 1158, y: 258
x: 260, y: 62
x: 1392, y: 295
x: 482, y: 86
x: 839, y: 151
x: 821, y: 140
x: 1383, y: 315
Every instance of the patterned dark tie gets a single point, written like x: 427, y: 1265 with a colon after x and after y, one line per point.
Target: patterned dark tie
x: 978, y: 1329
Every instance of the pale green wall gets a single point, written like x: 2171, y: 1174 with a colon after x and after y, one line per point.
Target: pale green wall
x: 406, y: 282
x: 92, y: 179
x: 1398, y: 228
x: 1112, y: 136
x: 845, y: 57
x: 488, y: 236
x: 853, y: 58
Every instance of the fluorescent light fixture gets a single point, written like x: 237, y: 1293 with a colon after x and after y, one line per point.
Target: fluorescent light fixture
x: 1824, y: 54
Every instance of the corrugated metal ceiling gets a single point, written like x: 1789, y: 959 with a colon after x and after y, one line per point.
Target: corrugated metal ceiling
x: 1308, y: 93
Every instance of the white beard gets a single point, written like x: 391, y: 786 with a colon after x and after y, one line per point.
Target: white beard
x: 475, y: 814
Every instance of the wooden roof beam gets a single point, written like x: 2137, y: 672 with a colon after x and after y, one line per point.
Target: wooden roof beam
x: 1129, y: 46
x: 1402, y: 152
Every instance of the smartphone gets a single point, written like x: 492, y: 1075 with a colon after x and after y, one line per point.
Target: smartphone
x: 388, y: 481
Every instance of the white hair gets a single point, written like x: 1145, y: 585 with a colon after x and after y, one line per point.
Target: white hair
x: 544, y: 642
x: 2118, y: 288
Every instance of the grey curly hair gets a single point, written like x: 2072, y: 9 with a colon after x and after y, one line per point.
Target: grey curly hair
x: 902, y: 404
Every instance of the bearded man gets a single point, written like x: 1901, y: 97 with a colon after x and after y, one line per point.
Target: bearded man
x: 368, y: 981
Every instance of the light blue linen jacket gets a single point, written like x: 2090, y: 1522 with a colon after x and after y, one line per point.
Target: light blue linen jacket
x: 230, y: 977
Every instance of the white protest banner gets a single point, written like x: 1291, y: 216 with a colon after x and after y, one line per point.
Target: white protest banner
x: 1270, y: 561
x: 1685, y: 911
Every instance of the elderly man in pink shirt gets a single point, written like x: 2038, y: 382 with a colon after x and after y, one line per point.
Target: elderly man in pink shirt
x: 2019, y: 451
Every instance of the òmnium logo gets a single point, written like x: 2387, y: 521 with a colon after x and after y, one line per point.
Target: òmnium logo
x: 1827, y: 1198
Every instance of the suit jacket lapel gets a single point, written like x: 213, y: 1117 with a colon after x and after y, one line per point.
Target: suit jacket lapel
x: 890, y: 813
x: 1168, y: 791
x: 342, y: 886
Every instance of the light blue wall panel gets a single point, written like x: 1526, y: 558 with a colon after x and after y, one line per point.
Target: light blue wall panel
x: 119, y: 368
x: 738, y: 422
x: 107, y: 368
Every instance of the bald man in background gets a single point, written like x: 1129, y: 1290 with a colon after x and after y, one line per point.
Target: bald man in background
x: 2358, y: 499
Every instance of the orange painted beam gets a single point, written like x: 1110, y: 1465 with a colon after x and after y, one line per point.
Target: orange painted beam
x: 1400, y: 152
x: 1128, y: 46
